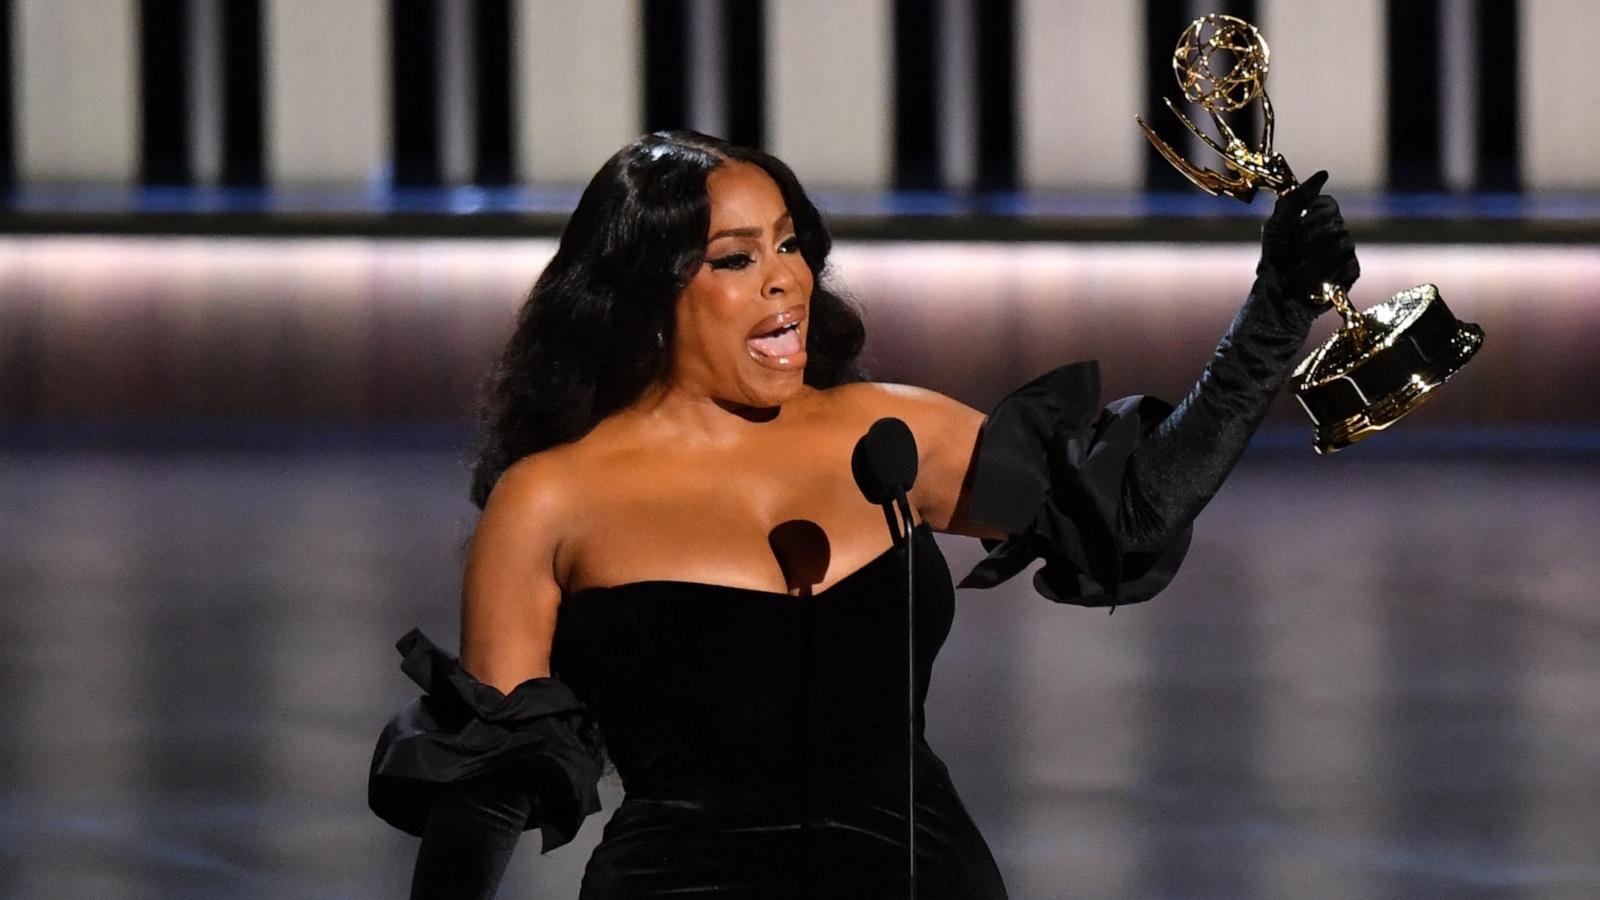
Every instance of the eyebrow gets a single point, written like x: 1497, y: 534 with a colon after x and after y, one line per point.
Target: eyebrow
x: 747, y: 231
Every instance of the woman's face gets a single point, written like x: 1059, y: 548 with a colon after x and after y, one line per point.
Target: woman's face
x: 741, y: 321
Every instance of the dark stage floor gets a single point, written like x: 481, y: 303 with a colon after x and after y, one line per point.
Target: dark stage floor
x: 1377, y: 677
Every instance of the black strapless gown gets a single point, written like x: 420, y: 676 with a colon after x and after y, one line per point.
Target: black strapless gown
x: 761, y: 738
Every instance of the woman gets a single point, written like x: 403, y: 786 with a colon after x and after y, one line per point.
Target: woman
x: 671, y: 526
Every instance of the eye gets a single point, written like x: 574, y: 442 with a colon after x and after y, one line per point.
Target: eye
x: 731, y: 261
x: 791, y: 244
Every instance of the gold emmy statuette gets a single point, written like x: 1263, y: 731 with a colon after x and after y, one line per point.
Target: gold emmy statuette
x: 1382, y: 363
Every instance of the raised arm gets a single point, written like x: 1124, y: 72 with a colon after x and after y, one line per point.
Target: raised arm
x: 1177, y: 468
x: 1106, y: 496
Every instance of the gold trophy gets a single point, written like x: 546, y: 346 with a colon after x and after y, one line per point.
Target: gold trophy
x: 1382, y: 363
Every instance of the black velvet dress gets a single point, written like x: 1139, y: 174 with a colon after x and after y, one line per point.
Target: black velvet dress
x: 761, y: 738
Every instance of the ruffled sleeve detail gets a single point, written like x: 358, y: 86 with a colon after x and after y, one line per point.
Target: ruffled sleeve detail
x: 462, y: 728
x: 1051, y: 470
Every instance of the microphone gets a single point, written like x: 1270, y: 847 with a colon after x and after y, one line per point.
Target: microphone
x: 884, y: 464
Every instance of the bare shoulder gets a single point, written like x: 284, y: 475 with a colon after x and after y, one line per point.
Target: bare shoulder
x: 510, y: 591
x: 946, y: 431
x: 530, y: 501
x: 886, y: 395
x: 925, y: 411
x: 535, y: 486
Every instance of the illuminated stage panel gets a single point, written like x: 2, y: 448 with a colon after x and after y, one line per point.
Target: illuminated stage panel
x: 315, y: 329
x: 998, y: 313
x: 359, y: 330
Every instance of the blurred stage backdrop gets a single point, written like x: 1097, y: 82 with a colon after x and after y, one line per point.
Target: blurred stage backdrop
x: 256, y: 255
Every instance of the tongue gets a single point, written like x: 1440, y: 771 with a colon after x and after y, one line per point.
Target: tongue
x: 786, y: 343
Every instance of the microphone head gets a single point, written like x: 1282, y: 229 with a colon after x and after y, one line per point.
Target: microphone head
x: 885, y: 460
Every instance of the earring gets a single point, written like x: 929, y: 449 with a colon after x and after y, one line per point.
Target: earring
x: 661, y: 338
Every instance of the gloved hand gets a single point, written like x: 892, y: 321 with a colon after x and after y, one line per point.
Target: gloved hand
x: 1179, y: 466
x: 1305, y: 243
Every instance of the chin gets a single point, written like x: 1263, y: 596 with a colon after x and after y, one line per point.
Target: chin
x: 776, y: 389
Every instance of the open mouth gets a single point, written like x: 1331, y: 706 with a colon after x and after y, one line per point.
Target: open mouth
x: 783, y: 341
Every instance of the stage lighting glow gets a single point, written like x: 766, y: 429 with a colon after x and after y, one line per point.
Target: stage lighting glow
x: 363, y: 328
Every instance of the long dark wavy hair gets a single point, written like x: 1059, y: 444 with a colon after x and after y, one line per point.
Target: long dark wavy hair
x: 597, y: 328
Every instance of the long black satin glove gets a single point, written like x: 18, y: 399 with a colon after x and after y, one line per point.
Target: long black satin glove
x: 472, y: 831
x: 1178, y: 468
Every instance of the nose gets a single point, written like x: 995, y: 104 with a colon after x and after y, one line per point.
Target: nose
x: 781, y: 279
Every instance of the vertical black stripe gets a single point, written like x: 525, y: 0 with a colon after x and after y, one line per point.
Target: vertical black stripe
x: 414, y: 77
x: 1416, y: 149
x: 666, y: 64
x: 1164, y: 21
x: 164, y: 92
x: 241, y: 93
x: 1246, y: 123
x: 1498, y: 71
x: 996, y: 95
x: 8, y: 165
x: 745, y: 74
x: 494, y: 161
x: 916, y: 94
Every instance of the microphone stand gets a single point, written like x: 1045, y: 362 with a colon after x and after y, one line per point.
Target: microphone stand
x: 884, y: 464
x: 911, y: 689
